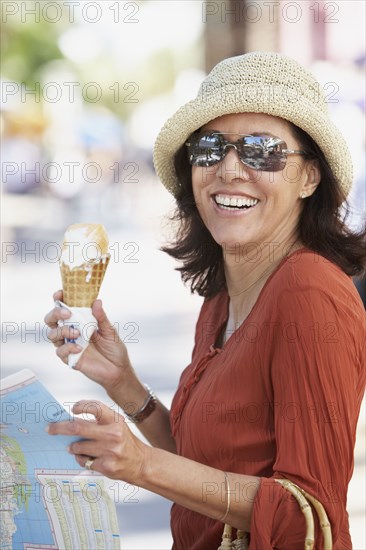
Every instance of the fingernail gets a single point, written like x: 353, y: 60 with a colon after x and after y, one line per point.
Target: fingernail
x: 47, y: 428
x: 64, y: 313
x: 78, y: 348
x: 68, y: 448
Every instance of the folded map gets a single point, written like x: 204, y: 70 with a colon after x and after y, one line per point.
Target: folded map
x: 47, y: 500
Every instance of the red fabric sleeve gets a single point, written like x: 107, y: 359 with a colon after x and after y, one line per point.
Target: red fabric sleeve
x: 318, y: 378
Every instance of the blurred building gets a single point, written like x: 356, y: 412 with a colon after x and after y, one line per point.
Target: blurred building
x: 307, y: 31
x: 234, y: 27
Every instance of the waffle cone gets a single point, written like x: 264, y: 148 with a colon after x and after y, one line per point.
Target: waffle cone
x: 81, y: 285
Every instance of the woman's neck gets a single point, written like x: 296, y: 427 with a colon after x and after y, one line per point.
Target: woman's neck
x: 247, y: 273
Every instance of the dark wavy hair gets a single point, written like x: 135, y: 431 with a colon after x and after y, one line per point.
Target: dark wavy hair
x: 321, y: 228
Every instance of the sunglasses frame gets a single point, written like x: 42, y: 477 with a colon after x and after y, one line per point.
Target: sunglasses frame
x: 268, y: 146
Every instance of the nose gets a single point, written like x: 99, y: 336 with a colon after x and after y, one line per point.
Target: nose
x: 231, y: 168
x: 233, y: 145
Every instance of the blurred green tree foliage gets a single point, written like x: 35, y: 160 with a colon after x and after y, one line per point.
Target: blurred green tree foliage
x: 29, y: 46
x: 26, y: 47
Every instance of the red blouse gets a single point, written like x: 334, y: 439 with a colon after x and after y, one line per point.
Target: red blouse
x: 280, y: 399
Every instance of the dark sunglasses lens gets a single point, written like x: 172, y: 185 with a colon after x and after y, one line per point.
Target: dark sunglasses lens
x: 257, y: 155
x: 205, y: 150
x: 257, y: 152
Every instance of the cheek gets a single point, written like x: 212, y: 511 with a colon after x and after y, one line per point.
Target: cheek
x: 198, y: 183
x: 292, y: 173
x: 203, y: 176
x: 196, y: 193
x: 200, y: 206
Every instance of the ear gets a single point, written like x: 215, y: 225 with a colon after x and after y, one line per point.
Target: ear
x: 312, y: 177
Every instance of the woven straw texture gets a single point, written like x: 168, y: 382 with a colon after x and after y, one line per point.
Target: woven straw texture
x: 81, y: 285
x: 257, y: 82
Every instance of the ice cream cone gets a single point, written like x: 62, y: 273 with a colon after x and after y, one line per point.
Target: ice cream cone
x: 81, y: 285
x: 82, y: 271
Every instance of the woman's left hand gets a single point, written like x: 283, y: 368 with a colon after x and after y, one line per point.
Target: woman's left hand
x: 114, y: 449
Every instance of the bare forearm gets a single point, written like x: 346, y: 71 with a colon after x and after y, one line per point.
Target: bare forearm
x: 155, y: 428
x: 201, y: 488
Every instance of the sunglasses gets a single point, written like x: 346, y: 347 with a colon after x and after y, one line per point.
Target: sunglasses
x: 267, y: 153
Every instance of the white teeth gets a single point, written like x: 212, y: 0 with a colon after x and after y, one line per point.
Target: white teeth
x: 235, y: 202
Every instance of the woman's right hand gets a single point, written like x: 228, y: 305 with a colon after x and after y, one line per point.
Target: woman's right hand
x: 105, y: 360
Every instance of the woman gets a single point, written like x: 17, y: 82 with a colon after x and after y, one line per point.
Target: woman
x: 277, y: 376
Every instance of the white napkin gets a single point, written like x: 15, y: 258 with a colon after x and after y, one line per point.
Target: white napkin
x: 84, y: 321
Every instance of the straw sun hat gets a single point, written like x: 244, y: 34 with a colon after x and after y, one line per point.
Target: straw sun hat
x: 257, y: 82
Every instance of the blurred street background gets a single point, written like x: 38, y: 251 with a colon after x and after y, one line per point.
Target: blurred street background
x: 85, y: 88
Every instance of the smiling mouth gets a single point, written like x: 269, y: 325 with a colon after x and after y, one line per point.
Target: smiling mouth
x: 234, y: 203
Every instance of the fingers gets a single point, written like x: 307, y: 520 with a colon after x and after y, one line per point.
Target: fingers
x: 86, y: 448
x: 64, y: 350
x: 104, y: 444
x: 63, y: 338
x: 83, y: 460
x: 88, y: 429
x: 56, y: 314
x: 76, y: 427
x: 58, y: 335
x: 98, y: 311
x: 58, y: 295
x: 102, y: 413
x: 104, y: 326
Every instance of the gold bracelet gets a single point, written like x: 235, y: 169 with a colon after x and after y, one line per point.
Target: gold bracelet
x: 227, y: 486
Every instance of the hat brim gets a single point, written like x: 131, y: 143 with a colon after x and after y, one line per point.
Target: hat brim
x: 301, y: 111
